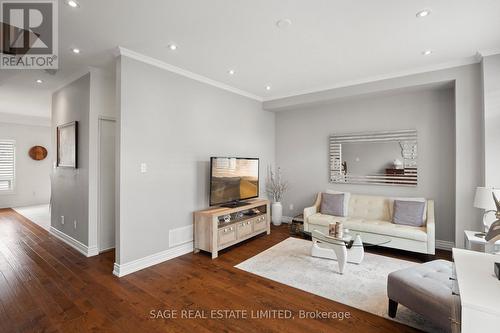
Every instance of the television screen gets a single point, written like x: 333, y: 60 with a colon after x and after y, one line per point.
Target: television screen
x: 233, y: 179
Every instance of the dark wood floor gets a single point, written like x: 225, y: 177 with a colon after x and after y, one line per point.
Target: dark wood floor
x: 46, y: 286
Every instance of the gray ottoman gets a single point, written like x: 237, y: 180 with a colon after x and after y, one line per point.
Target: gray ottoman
x: 425, y: 289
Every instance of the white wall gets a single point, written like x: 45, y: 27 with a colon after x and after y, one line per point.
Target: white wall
x: 32, y: 183
x: 469, y: 148
x: 491, y: 86
x: 174, y: 124
x: 302, y: 147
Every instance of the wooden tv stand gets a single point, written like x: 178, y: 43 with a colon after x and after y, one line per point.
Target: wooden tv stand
x: 212, y: 233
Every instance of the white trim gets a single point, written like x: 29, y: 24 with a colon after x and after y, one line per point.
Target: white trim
x: 444, y: 245
x: 420, y: 70
x: 76, y: 244
x: 154, y: 259
x: 177, y: 70
x: 489, y: 52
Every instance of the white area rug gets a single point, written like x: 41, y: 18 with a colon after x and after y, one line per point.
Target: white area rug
x: 39, y: 214
x: 361, y: 286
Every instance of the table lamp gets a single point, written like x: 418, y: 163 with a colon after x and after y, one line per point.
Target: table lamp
x: 486, y: 198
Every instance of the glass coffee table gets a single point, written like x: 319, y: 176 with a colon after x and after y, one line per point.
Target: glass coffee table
x: 349, y: 248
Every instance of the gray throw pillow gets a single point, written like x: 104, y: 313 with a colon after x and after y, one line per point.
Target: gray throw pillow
x: 332, y: 204
x: 408, y: 213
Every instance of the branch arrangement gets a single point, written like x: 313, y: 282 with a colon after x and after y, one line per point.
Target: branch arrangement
x: 275, y: 186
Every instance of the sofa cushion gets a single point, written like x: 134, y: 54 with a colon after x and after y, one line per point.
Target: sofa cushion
x: 347, y: 198
x: 387, y: 228
x: 391, y: 205
x: 408, y: 213
x: 369, y: 207
x: 332, y: 204
x: 371, y: 226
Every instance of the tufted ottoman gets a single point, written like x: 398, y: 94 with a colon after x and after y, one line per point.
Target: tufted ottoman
x: 425, y: 289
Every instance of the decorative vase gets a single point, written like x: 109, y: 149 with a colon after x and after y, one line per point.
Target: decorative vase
x: 276, y: 213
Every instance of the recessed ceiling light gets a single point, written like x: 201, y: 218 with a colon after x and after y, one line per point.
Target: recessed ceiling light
x: 268, y: 88
x: 231, y: 72
x: 75, y: 51
x: 172, y: 47
x: 427, y: 52
x: 39, y: 81
x: 73, y: 3
x: 284, y: 23
x: 423, y: 13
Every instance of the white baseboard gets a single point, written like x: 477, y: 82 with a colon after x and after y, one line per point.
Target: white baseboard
x: 286, y: 219
x: 154, y: 259
x: 76, y: 244
x: 444, y: 245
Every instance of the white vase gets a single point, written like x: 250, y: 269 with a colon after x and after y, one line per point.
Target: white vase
x: 276, y: 213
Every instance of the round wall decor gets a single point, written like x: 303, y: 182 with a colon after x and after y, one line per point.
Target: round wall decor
x: 38, y: 153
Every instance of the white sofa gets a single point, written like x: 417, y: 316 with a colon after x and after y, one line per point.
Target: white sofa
x: 372, y: 215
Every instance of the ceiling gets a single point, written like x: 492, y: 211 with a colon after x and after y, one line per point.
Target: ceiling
x: 329, y: 43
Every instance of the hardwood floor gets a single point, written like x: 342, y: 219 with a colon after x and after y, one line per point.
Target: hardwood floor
x: 46, y: 286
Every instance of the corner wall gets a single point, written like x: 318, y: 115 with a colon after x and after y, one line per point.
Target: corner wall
x: 174, y: 124
x: 491, y: 87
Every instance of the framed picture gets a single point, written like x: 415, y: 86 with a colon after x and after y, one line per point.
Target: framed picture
x: 67, y: 145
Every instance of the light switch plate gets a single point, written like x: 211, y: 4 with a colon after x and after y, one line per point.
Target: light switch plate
x: 144, y: 168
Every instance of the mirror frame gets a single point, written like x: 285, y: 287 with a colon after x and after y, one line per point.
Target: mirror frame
x: 408, y: 142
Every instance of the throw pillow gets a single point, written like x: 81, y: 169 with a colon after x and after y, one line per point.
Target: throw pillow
x: 347, y: 198
x: 332, y: 204
x: 408, y: 213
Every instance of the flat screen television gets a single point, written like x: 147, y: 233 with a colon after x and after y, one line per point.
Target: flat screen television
x: 233, y: 179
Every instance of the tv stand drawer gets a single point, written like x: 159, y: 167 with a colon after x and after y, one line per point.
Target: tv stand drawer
x: 226, y: 235
x: 244, y: 229
x: 260, y: 223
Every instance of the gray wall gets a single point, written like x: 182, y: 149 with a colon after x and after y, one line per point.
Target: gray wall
x: 491, y: 85
x: 32, y: 184
x: 70, y: 189
x: 174, y: 124
x: 302, y: 147
x: 469, y: 131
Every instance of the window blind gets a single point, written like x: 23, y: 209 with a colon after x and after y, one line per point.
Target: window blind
x: 7, y: 165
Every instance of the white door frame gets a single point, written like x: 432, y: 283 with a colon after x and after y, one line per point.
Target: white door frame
x: 99, y: 213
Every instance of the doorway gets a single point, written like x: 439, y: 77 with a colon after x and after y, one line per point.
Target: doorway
x: 106, y: 232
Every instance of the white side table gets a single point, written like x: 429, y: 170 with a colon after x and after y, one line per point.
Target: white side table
x: 475, y: 243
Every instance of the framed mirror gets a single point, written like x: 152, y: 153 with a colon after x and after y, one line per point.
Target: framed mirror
x: 381, y: 158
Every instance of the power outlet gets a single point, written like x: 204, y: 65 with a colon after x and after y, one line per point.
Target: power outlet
x: 144, y: 168
x: 62, y: 219
x: 74, y: 223
x: 290, y: 207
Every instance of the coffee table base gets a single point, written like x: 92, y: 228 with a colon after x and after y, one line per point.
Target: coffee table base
x: 339, y: 252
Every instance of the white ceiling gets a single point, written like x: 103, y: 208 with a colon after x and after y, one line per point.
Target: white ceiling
x: 330, y: 42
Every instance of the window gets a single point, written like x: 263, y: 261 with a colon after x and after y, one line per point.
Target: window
x: 7, y: 165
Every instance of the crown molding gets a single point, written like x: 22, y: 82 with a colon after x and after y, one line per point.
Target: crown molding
x: 420, y: 70
x: 121, y: 51
x: 485, y: 53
